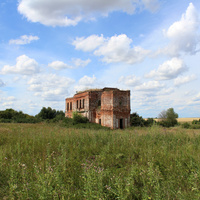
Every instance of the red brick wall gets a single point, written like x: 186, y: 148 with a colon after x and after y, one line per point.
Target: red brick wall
x: 83, y: 108
x: 115, y: 105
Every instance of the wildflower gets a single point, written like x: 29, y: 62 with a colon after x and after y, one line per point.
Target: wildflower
x: 108, y: 187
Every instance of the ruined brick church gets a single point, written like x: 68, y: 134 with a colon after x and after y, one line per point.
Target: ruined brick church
x: 108, y: 106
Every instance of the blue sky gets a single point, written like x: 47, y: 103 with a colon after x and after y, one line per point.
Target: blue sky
x: 49, y: 49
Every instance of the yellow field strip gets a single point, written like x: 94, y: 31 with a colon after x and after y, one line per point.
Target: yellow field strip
x: 189, y: 119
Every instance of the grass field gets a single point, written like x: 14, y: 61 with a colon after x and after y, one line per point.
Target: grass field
x: 47, y: 161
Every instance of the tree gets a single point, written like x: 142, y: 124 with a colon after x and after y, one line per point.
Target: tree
x: 10, y: 115
x: 46, y: 113
x: 136, y: 120
x: 168, y: 118
x: 163, y: 115
x: 49, y: 113
x: 60, y: 115
x: 149, y: 122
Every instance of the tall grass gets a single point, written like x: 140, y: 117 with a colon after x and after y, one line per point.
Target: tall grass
x: 44, y: 161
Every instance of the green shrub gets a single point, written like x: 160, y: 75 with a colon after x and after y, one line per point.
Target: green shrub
x: 80, y: 122
x: 78, y: 118
x: 168, y: 123
x: 149, y: 122
x: 5, y: 120
x: 49, y: 113
x: 136, y: 120
x: 10, y: 115
x: 196, y: 121
x: 195, y: 126
x: 168, y: 118
x: 185, y: 125
x: 89, y: 125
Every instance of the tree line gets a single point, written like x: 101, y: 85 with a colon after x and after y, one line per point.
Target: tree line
x: 13, y: 116
x: 168, y: 118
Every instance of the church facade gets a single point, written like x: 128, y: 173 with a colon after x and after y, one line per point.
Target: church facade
x: 108, y: 106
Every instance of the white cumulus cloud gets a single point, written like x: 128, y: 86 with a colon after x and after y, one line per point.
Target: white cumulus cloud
x: 195, y: 100
x: 24, y: 39
x: 87, y: 81
x: 150, y: 86
x: 58, y: 65
x: 50, y: 87
x: 168, y: 70
x: 24, y: 65
x: 7, y: 102
x: 166, y: 91
x: 184, y: 79
x: 70, y: 12
x: 183, y: 34
x: 80, y: 63
x: 76, y: 62
x: 115, y: 49
x: 88, y: 44
x: 129, y: 80
x: 118, y: 49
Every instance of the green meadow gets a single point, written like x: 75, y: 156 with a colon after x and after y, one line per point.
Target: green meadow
x: 49, y: 161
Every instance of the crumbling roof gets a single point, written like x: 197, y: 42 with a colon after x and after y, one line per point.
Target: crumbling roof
x: 89, y: 90
x: 98, y: 90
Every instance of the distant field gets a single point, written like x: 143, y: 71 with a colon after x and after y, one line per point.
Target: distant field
x: 189, y: 119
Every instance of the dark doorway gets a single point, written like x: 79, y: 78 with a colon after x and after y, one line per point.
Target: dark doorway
x: 121, y: 123
x: 99, y: 121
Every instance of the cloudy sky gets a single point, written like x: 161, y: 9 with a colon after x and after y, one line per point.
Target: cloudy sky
x: 49, y: 49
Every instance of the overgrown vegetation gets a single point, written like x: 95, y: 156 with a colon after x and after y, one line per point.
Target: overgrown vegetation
x: 50, y: 114
x: 10, y: 115
x: 46, y: 114
x: 168, y: 118
x: 46, y: 161
x: 136, y: 120
x: 194, y: 125
x: 77, y: 118
x: 80, y: 122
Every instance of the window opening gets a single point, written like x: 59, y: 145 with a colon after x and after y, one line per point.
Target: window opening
x: 83, y: 103
x: 121, y: 123
x: 99, y: 103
